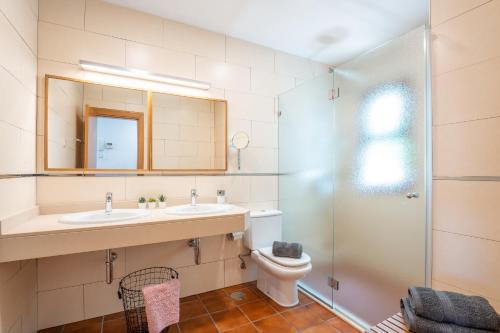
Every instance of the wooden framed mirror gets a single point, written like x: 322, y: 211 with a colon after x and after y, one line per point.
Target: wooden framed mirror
x: 102, y: 128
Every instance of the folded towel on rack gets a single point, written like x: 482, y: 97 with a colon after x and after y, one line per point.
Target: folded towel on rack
x: 422, y: 325
x: 284, y: 249
x: 162, y: 305
x: 453, y: 308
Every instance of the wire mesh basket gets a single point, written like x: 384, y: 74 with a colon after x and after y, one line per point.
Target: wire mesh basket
x: 130, y: 292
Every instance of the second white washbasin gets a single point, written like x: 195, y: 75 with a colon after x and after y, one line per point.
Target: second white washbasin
x: 198, y: 209
x: 100, y: 216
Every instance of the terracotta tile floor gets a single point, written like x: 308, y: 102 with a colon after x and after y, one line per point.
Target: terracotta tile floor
x: 216, y: 311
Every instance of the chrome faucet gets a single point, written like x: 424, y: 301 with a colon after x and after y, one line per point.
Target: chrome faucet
x: 109, y: 203
x: 194, y: 194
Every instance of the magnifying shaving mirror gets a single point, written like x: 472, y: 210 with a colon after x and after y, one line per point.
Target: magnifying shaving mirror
x: 240, y: 141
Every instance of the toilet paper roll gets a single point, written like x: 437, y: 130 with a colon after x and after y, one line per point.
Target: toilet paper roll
x: 235, y: 235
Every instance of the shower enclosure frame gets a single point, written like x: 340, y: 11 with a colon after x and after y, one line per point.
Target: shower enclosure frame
x: 427, y: 186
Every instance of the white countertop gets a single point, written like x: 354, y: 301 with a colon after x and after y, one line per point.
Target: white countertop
x: 44, y: 236
x: 44, y: 224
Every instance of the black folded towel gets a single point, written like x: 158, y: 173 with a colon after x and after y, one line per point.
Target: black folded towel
x: 284, y: 249
x: 422, y: 325
x: 453, y: 308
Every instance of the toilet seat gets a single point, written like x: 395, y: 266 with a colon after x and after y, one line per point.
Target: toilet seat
x: 281, y: 271
x: 285, y: 261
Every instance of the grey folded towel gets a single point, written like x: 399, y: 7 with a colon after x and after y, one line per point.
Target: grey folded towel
x: 422, y: 325
x: 284, y: 249
x: 453, y: 308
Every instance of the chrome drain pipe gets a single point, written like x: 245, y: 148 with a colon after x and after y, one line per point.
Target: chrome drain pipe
x: 195, y: 244
x: 110, y: 257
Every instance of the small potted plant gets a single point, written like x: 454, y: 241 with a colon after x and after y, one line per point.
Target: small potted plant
x: 162, y: 201
x: 141, y: 203
x: 151, y: 203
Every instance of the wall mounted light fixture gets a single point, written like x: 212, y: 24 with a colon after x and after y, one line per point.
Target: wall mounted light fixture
x: 142, y: 74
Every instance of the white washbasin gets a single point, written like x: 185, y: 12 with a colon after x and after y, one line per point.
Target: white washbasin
x: 198, y: 209
x: 99, y: 216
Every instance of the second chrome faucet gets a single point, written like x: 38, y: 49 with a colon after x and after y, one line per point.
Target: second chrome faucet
x: 109, y: 203
x: 194, y: 195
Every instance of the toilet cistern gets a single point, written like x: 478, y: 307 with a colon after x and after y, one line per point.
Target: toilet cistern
x: 109, y: 203
x: 194, y: 194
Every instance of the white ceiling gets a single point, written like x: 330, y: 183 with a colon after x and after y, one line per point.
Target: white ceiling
x: 329, y: 31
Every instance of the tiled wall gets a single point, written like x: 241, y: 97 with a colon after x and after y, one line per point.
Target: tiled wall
x: 247, y: 75
x: 18, y: 33
x: 466, y: 107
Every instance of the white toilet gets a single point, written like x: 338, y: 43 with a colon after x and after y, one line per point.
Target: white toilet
x: 276, y: 277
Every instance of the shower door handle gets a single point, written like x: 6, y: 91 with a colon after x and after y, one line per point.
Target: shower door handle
x: 412, y: 195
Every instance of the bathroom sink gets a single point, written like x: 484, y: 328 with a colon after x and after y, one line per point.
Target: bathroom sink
x: 99, y: 216
x: 198, y: 209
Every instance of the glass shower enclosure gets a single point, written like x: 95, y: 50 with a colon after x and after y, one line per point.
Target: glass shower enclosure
x: 353, y: 164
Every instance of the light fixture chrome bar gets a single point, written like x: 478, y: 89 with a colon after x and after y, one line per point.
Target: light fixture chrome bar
x: 142, y: 74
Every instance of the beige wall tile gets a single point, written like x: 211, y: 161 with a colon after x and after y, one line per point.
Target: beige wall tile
x: 159, y: 60
x: 250, y: 106
x: 222, y: 75
x: 10, y: 189
x: 177, y: 187
x: 254, y: 160
x: 467, y: 149
x: 263, y: 188
x: 293, y: 65
x: 235, y: 125
x: 68, y: 45
x: 171, y: 254
x: 60, y: 306
x: 233, y: 274
x: 240, y: 52
x: 18, y: 104
x: 101, y: 299
x: 78, y: 189
x: 122, y: 22
x: 76, y: 269
x: 467, y: 262
x: 442, y: 10
x: 264, y: 134
x: 23, y: 19
x: 20, y: 60
x: 467, y: 39
x: 438, y: 285
x: 468, y: 93
x: 271, y: 84
x: 467, y: 207
x: 18, y: 299
x: 63, y: 12
x: 197, y: 279
x: 10, y: 143
x: 8, y: 270
x: 189, y: 39
x: 237, y: 188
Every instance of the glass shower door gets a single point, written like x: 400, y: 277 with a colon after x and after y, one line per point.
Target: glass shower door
x: 306, y: 178
x: 379, y: 179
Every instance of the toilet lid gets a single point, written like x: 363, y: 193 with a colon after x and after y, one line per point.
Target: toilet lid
x: 284, y: 261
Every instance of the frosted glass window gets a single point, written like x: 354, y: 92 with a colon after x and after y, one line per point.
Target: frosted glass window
x: 384, y: 158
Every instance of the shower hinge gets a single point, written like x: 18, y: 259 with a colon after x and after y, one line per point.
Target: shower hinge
x: 333, y: 283
x: 334, y: 94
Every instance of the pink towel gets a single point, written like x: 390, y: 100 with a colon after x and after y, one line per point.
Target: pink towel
x: 162, y: 304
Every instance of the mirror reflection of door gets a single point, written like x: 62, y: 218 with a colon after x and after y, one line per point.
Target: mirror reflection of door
x: 114, y: 139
